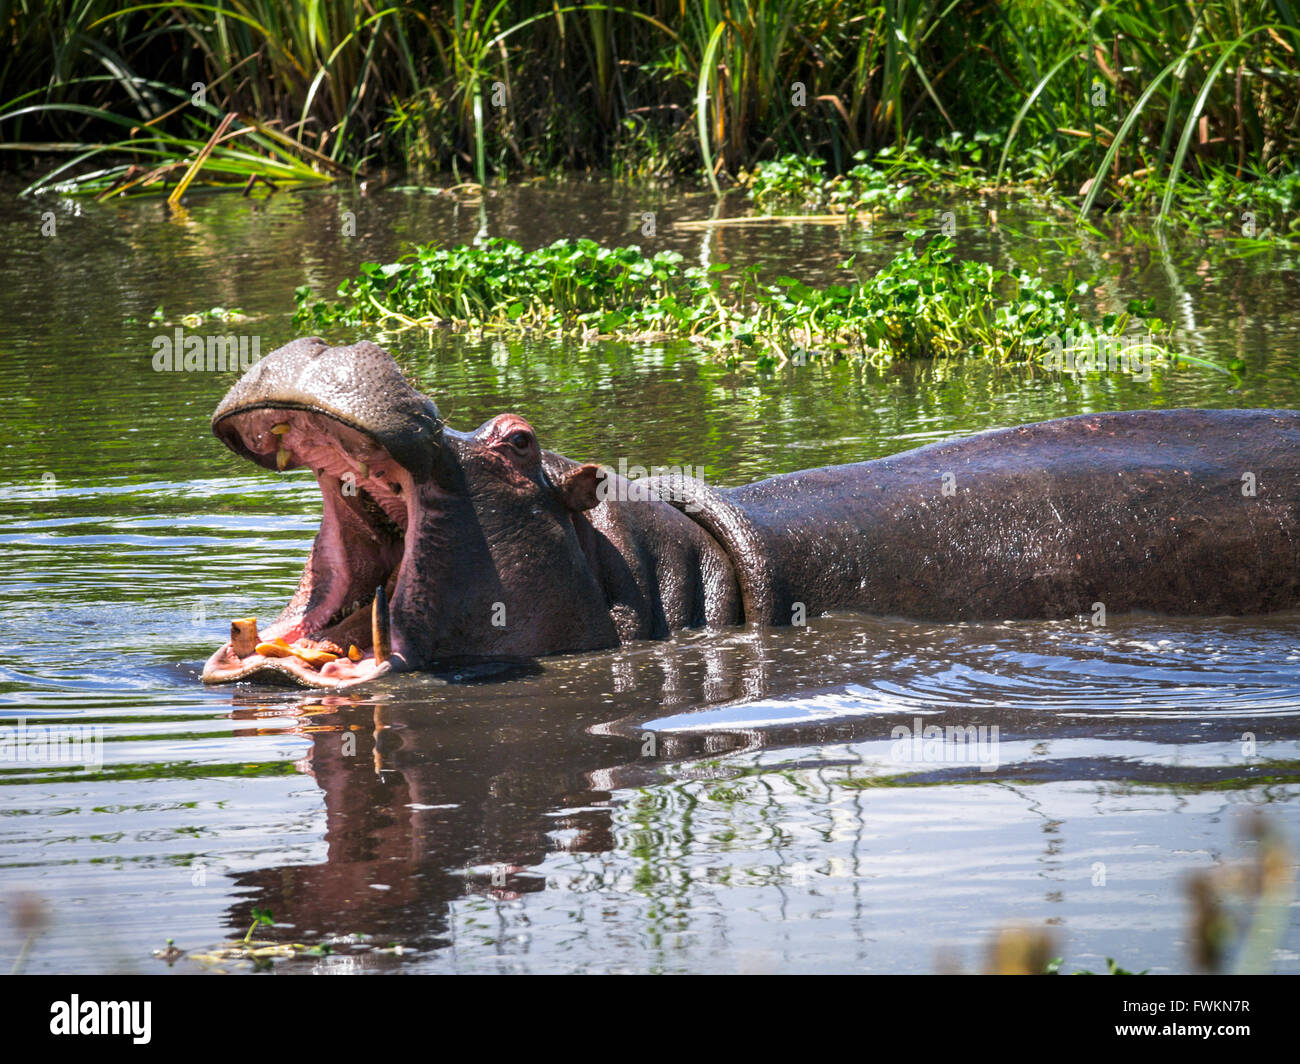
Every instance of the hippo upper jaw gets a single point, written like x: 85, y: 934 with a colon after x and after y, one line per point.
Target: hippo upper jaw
x: 333, y: 633
x: 359, y: 387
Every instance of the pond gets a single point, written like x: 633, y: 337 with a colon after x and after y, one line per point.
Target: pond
x: 726, y: 801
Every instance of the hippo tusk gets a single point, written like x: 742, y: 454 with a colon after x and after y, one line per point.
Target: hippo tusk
x: 243, y: 636
x: 379, y: 633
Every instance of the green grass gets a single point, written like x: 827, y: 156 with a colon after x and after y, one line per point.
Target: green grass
x: 1150, y: 92
x: 1135, y: 98
x: 222, y: 153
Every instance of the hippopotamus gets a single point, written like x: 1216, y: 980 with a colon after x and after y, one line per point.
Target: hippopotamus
x: 439, y: 548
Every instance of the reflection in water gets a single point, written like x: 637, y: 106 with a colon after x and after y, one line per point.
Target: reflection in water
x: 447, y: 802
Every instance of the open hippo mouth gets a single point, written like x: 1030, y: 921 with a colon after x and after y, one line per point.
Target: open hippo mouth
x: 335, y: 630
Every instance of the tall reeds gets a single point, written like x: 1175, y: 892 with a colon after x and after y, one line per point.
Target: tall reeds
x: 1133, y: 94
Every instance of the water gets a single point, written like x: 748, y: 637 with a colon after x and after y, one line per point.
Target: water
x: 726, y: 801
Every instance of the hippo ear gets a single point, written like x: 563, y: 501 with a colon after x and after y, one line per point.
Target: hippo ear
x: 580, y: 488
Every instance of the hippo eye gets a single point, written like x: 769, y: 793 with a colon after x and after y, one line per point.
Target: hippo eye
x: 519, y: 439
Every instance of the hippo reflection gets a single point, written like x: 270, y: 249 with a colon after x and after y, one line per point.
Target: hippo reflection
x: 446, y: 802
x: 425, y: 804
x: 440, y: 547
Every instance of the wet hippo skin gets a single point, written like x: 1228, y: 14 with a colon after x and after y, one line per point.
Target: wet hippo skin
x: 440, y: 547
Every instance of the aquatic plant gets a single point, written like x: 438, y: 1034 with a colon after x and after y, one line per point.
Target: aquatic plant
x: 792, y: 180
x: 924, y: 303
x: 887, y: 181
x: 260, y: 917
x: 566, y: 286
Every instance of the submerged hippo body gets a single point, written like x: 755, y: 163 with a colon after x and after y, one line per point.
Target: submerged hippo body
x: 491, y: 549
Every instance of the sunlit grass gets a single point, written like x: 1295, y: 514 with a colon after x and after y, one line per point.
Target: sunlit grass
x: 1126, y: 101
x: 236, y: 152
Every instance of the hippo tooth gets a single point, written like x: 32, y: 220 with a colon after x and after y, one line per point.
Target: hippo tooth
x: 281, y: 428
x: 354, y: 653
x: 379, y: 633
x: 277, y: 649
x: 313, y: 657
x: 282, y: 459
x: 243, y: 636
x: 363, y: 471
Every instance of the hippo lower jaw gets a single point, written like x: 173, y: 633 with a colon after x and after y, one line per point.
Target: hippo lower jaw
x: 327, y: 635
x: 223, y: 667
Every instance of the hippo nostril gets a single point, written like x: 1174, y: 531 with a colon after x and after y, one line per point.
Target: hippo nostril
x: 396, y: 488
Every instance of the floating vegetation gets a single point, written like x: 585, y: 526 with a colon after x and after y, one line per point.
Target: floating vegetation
x: 260, y: 954
x: 195, y: 319
x: 1252, y: 215
x: 925, y: 303
x: 887, y: 181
